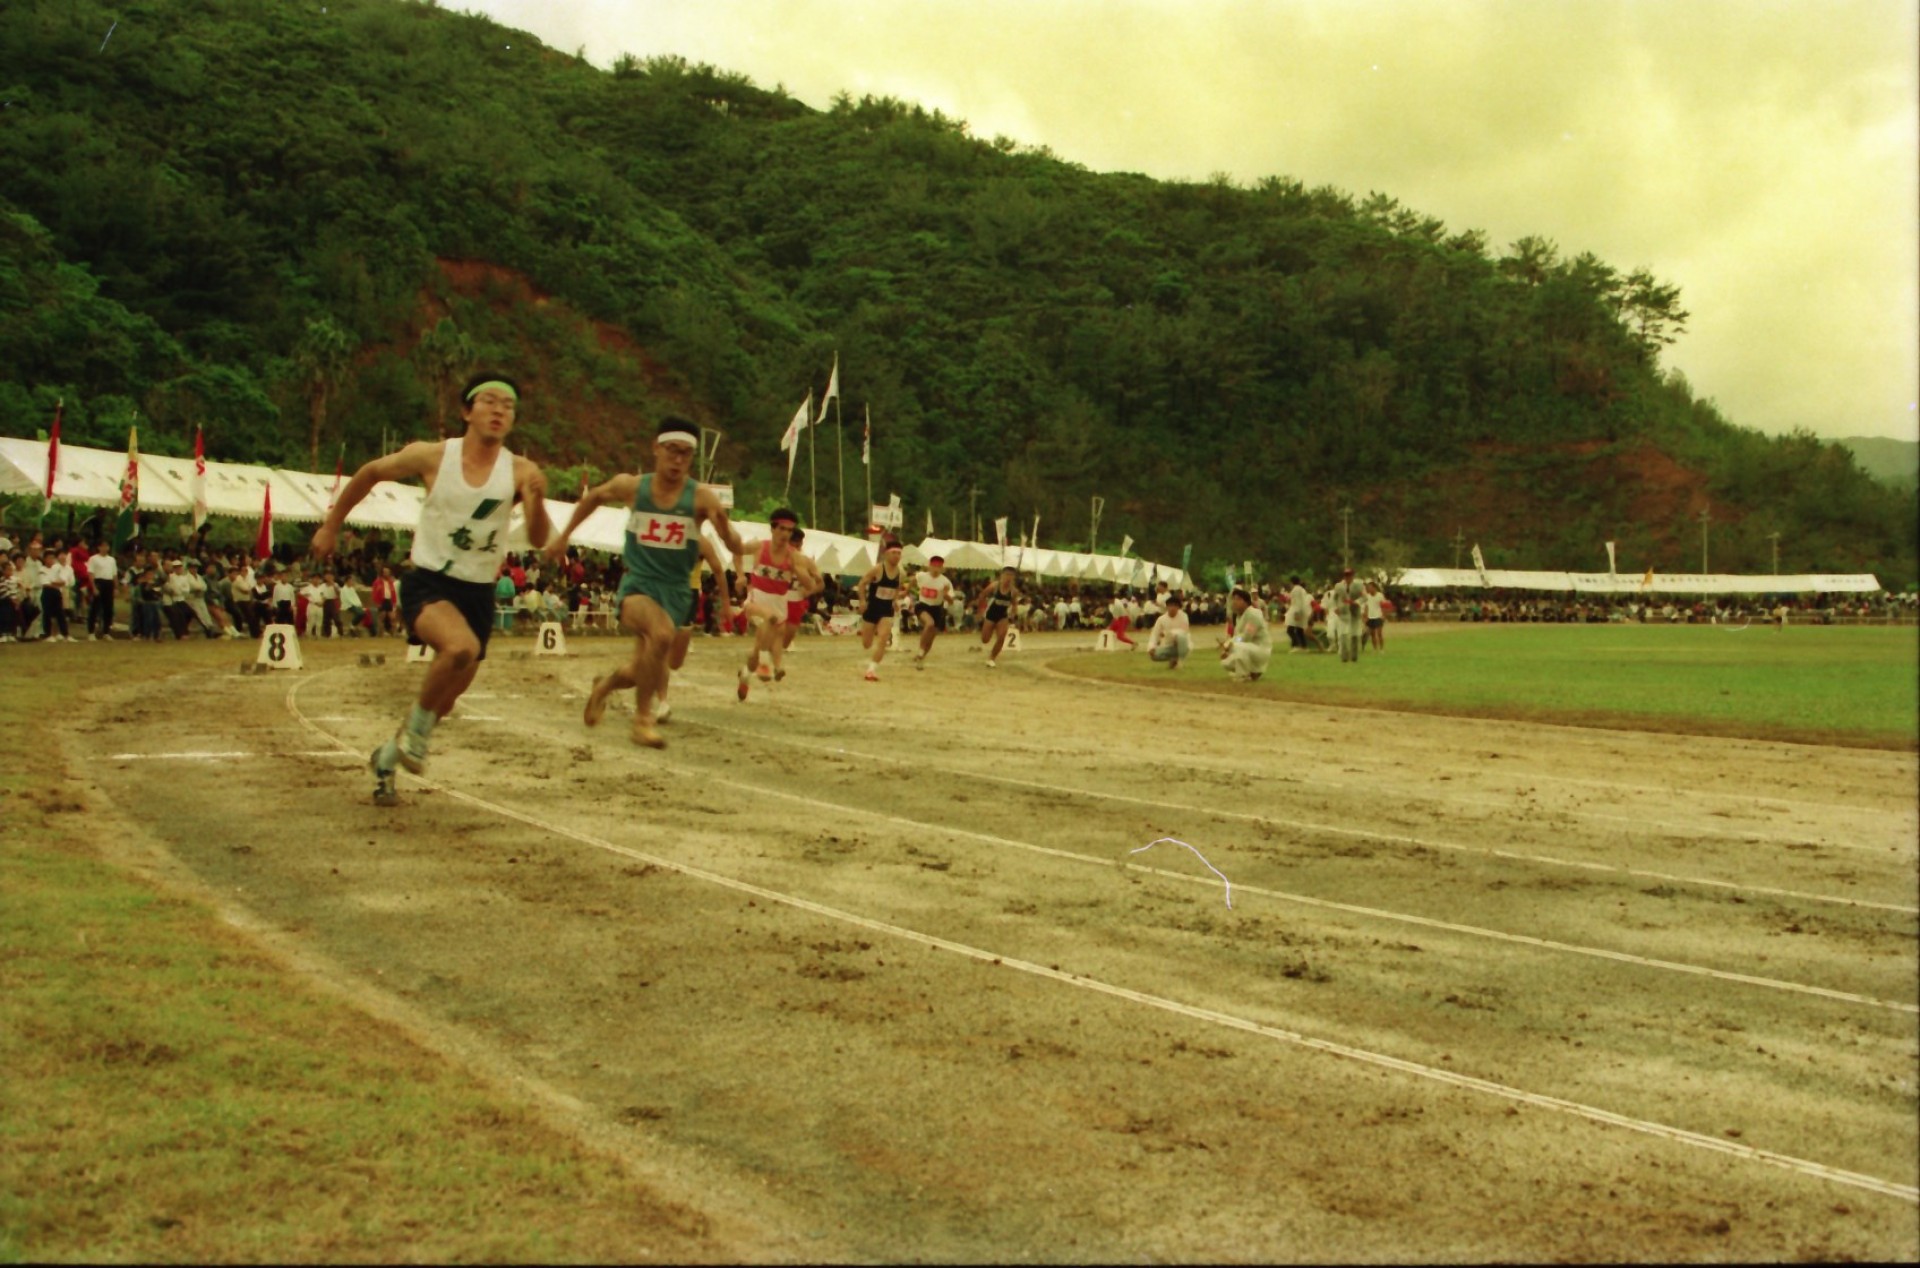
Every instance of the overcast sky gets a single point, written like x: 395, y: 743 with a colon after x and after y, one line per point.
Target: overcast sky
x: 1759, y: 153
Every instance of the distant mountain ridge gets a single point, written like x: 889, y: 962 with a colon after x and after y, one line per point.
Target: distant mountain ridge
x: 302, y: 226
x: 1890, y: 461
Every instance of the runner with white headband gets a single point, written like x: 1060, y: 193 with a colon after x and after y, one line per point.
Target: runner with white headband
x: 665, y: 511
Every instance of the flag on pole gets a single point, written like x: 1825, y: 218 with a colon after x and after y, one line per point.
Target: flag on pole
x: 790, y: 443
x: 53, y: 446
x: 1480, y: 564
x: 129, y: 492
x: 866, y: 443
x: 833, y: 386
x: 199, y: 478
x: 929, y: 532
x: 263, y: 544
x: 1000, y: 532
x: 1126, y: 544
x: 1647, y: 581
x: 1036, y: 530
x: 1610, y: 562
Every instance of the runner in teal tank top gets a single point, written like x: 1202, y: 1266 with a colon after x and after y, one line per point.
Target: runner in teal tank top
x: 658, y: 548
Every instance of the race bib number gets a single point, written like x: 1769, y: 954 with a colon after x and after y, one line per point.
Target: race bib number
x: 660, y: 532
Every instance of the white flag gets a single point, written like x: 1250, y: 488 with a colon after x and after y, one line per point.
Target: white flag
x: 929, y: 521
x: 790, y: 442
x: 1000, y: 532
x: 1611, y: 566
x: 833, y: 386
x: 1126, y: 544
x: 1480, y: 563
x: 866, y: 441
x: 1036, y: 530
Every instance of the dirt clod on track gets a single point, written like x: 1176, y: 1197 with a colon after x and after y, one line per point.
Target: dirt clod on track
x: 867, y: 970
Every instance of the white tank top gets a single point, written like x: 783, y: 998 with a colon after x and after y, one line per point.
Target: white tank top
x: 463, y: 530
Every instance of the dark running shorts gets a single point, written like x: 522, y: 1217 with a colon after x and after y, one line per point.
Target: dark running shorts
x: 1375, y: 622
x: 877, y: 611
x: 939, y: 615
x: 675, y: 599
x: 474, y: 599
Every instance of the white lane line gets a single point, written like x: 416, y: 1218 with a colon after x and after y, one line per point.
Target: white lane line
x: 1374, y: 913
x: 1639, y: 825
x: 232, y: 756
x: 1678, y: 1135
x: 1310, y: 826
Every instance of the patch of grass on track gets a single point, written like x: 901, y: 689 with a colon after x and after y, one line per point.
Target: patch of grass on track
x: 172, y: 1094
x: 1855, y: 686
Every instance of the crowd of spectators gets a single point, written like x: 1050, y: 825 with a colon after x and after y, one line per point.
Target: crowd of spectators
x: 71, y: 588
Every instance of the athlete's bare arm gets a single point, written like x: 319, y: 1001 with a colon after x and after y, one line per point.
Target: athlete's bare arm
x: 707, y: 509
x: 530, y: 490
x: 417, y: 461
x: 809, y: 573
x: 860, y: 587
x: 712, y: 556
x: 618, y: 491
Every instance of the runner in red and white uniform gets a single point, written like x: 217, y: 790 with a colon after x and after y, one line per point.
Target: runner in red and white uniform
x: 798, y: 600
x: 931, y: 590
x: 776, y: 569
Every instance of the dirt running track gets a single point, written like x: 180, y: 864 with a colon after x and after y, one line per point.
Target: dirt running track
x: 869, y: 971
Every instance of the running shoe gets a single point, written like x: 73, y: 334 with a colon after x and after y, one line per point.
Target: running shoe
x: 385, y: 791
x: 663, y: 712
x: 596, y: 703
x: 644, y: 734
x: 993, y: 664
x: 744, y: 679
x: 412, y: 750
x: 780, y: 674
x: 764, y: 671
x: 870, y: 676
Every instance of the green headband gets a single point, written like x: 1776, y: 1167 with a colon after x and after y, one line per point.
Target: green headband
x: 492, y: 383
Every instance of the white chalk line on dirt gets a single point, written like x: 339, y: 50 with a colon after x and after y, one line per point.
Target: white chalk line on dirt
x: 229, y: 756
x: 1309, y: 826
x: 1678, y: 1135
x: 1376, y: 788
x: 1474, y: 931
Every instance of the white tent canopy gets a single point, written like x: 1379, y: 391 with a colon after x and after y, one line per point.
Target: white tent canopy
x: 1637, y: 583
x: 91, y: 477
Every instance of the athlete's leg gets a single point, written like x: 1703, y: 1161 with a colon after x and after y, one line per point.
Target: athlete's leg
x: 999, y: 631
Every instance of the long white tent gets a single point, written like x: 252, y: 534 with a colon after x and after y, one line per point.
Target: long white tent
x: 91, y: 477
x: 1627, y: 583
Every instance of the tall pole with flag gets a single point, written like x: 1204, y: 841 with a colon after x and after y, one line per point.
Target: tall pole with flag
x: 129, y: 492
x: 199, y: 478
x: 53, y: 454
x: 866, y: 454
x: 839, y: 444
x: 263, y: 544
x: 790, y: 442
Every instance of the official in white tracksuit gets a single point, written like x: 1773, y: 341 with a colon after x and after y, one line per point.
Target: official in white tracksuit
x: 1347, y: 602
x: 1246, y: 654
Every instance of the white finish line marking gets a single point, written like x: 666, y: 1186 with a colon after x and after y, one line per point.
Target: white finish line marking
x: 1591, y: 1113
x: 1391, y: 838
x: 232, y: 756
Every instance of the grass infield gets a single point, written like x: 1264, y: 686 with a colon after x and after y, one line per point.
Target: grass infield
x: 172, y: 1094
x: 1857, y: 686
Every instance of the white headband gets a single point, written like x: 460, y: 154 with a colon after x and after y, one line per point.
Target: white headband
x: 684, y: 437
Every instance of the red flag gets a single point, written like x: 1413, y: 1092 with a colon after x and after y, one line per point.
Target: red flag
x: 199, y: 478
x: 53, y: 447
x: 263, y: 545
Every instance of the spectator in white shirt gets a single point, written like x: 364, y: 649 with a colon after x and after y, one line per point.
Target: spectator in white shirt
x: 1170, y: 640
x: 103, y: 570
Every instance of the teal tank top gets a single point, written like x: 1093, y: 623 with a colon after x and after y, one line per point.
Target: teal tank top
x: 660, y: 547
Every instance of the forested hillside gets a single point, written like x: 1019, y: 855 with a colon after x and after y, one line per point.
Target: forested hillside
x: 298, y: 224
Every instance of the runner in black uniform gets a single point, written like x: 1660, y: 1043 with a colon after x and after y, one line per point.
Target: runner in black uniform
x: 997, y: 602
x: 875, y: 595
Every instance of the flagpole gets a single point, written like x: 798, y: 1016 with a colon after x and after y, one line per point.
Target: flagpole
x: 840, y: 465
x: 813, y: 483
x: 866, y: 460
